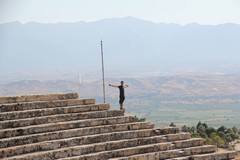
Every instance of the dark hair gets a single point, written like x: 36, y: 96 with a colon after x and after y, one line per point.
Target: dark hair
x: 122, y: 82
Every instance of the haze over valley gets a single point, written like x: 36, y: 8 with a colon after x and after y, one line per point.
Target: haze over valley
x: 182, y: 99
x: 179, y: 73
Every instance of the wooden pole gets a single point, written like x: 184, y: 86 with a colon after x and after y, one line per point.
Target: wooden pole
x: 103, y: 73
x: 79, y: 84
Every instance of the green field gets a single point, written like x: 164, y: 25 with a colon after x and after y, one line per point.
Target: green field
x: 215, y: 114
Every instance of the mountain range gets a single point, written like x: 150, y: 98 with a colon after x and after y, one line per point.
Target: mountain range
x: 130, y: 45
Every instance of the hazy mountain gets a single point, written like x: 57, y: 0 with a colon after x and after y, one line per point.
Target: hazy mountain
x: 130, y: 45
x: 201, y: 86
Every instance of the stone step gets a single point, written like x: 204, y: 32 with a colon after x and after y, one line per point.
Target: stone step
x: 51, y: 111
x: 226, y: 155
x: 123, y: 152
x: 189, y: 142
x: 59, y: 118
x: 21, y: 140
x: 44, y: 104
x: 170, y: 154
x: 50, y: 127
x: 189, y: 151
x: 145, y: 136
x: 127, y: 151
x: 88, y: 152
x: 167, y: 130
x: 54, y: 144
x: 30, y: 98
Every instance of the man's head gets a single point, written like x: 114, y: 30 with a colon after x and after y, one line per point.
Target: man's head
x: 122, y: 82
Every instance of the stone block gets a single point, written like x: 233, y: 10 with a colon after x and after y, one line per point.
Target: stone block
x: 31, y: 98
x: 189, y: 143
x: 21, y: 140
x: 50, y: 111
x: 44, y: 104
x: 178, y: 136
x: 59, y: 118
x: 226, y: 155
x: 5, y: 133
x: 124, y: 152
x: 167, y: 130
x: 72, y: 102
x: 166, y: 154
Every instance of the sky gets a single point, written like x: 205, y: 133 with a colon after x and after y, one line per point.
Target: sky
x: 159, y: 11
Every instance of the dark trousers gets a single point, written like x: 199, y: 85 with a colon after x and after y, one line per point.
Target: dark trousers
x: 121, y: 99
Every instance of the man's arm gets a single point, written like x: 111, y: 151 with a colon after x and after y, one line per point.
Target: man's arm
x: 125, y: 86
x: 113, y: 85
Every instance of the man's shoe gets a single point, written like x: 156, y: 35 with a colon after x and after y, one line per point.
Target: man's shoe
x: 122, y: 109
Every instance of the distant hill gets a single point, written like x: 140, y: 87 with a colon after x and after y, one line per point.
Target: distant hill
x: 160, y: 87
x: 130, y: 45
x: 182, y: 99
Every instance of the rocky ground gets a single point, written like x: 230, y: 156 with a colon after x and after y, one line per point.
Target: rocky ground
x: 237, y: 148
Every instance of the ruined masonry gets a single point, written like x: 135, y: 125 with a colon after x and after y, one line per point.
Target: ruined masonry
x: 61, y: 126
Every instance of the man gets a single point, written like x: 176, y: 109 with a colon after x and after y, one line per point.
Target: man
x: 121, y: 93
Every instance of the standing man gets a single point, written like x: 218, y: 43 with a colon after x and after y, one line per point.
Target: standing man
x: 121, y: 93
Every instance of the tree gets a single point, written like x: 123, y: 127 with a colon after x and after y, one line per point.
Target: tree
x: 185, y: 128
x: 193, y: 129
x: 233, y: 136
x: 172, y: 124
x: 228, y: 130
x: 216, y: 140
x: 228, y: 139
x: 199, y: 124
x: 201, y: 129
x: 235, y: 130
x: 142, y: 119
x: 222, y: 135
x: 203, y: 135
x: 205, y: 125
x: 196, y: 135
x: 222, y: 128
x: 210, y: 130
x: 209, y: 140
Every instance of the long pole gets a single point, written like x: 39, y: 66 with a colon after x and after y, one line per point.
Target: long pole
x: 79, y: 83
x: 103, y: 73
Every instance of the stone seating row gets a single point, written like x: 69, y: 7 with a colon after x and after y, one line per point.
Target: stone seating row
x: 33, y: 98
x: 61, y: 126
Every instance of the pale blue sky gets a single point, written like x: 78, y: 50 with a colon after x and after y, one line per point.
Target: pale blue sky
x: 160, y: 11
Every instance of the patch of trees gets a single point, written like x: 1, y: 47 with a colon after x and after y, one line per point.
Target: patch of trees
x: 221, y: 137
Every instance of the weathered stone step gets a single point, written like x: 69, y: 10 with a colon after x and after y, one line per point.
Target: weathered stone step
x: 51, y: 111
x: 87, y: 152
x: 53, y: 144
x: 170, y: 154
x: 167, y: 130
x: 59, y: 118
x: 7, y: 142
x: 30, y: 98
x: 44, y: 104
x: 188, y: 151
x: 50, y: 127
x: 144, y: 136
x: 189, y: 142
x: 103, y: 153
x: 226, y: 155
